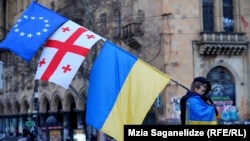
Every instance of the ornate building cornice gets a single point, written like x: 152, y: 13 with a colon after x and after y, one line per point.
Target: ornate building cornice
x: 222, y: 43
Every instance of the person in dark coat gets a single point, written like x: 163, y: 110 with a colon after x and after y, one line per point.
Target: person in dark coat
x: 25, y: 131
x: 205, y: 97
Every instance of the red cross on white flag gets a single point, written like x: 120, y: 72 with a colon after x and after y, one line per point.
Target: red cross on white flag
x: 64, y: 52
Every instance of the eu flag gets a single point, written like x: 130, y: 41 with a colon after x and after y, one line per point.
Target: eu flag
x: 32, y: 29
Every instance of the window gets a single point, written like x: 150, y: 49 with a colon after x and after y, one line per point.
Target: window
x: 228, y: 21
x: 221, y: 10
x: 208, y: 21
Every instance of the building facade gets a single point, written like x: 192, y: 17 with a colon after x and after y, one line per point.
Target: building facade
x: 182, y: 38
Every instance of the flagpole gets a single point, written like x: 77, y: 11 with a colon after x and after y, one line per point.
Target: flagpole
x: 180, y: 84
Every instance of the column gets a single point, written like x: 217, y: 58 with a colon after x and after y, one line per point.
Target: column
x: 66, y: 135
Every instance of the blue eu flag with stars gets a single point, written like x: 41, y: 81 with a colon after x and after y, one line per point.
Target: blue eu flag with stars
x: 36, y: 24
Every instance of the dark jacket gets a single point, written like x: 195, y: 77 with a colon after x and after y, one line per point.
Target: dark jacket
x: 206, y: 98
x: 183, y: 105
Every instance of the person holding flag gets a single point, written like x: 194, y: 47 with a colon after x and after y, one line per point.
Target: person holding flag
x: 194, y: 110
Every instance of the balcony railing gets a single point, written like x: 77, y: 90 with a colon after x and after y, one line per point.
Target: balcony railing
x: 130, y: 33
x: 132, y: 29
x: 223, y: 43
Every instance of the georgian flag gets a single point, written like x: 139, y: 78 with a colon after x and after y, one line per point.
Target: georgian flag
x: 64, y: 52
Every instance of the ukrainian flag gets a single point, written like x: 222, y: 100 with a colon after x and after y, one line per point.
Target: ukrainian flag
x: 199, y: 113
x: 122, y: 88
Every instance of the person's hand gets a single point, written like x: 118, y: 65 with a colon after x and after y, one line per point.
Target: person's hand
x: 208, y: 102
x: 218, y: 116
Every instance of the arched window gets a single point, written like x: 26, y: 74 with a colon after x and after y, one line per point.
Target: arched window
x: 223, y: 92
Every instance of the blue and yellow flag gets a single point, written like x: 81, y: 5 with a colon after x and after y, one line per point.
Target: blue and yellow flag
x: 32, y: 29
x: 122, y: 89
x: 199, y: 113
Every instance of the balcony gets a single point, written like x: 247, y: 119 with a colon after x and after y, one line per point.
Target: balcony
x: 132, y: 29
x: 222, y: 43
x: 130, y: 34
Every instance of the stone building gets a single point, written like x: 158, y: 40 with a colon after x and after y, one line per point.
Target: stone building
x: 182, y: 38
